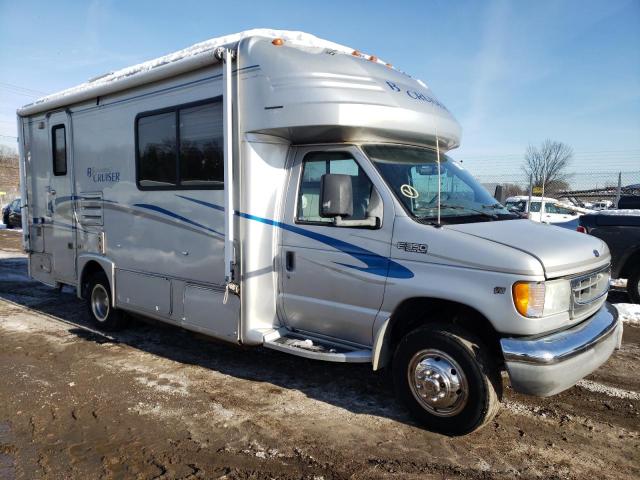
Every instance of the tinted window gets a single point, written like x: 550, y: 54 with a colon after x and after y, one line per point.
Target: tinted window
x: 317, y: 164
x: 181, y: 147
x: 157, y: 153
x: 201, y: 145
x: 59, y: 149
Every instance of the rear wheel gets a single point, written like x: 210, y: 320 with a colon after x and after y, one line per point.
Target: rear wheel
x: 446, y: 380
x: 5, y: 220
x: 633, y: 285
x: 100, y: 304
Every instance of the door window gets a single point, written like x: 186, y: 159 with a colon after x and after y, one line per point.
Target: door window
x: 315, y: 165
x: 59, y: 149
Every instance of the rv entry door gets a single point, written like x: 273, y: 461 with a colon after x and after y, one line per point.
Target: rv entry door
x: 61, y: 241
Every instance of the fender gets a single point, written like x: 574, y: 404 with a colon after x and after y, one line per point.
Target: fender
x: 107, y: 265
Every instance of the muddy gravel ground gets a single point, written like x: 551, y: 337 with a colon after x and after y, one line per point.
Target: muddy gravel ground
x: 157, y: 402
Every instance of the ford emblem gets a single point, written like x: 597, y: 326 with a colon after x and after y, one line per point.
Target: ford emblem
x: 596, y: 253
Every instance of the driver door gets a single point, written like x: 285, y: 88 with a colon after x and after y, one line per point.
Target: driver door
x: 333, y: 278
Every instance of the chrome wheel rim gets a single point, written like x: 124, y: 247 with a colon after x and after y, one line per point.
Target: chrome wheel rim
x: 438, y: 383
x: 100, y: 302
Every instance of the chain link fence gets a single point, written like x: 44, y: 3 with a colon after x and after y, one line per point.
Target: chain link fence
x: 580, y: 188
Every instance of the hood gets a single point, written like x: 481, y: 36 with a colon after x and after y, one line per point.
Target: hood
x: 561, y: 251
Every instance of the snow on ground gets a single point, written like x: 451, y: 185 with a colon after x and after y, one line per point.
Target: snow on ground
x: 629, y: 312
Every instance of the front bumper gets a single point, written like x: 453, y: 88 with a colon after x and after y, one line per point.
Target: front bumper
x: 544, y: 366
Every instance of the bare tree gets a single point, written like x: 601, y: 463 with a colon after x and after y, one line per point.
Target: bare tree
x: 8, y: 155
x: 546, y: 164
x: 513, y: 190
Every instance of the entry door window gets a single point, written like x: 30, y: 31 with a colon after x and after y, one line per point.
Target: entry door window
x: 315, y: 165
x: 59, y: 149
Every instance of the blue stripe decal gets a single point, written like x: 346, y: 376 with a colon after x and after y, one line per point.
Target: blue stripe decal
x: 175, y: 215
x: 375, y: 264
x: 202, y: 202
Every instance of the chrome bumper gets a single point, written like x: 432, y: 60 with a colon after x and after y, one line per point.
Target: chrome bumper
x: 544, y: 366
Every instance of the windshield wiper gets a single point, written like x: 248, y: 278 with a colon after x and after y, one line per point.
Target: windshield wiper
x: 461, y: 207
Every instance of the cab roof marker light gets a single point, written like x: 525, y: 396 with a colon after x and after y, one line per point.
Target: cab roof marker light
x: 373, y: 58
x: 356, y: 53
x: 278, y: 42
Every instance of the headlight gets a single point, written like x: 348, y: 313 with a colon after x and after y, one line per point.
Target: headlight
x: 537, y: 299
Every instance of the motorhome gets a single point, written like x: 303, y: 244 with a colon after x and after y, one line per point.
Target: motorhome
x: 273, y: 189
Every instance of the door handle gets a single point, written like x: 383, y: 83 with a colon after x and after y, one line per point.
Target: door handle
x: 290, y: 261
x: 52, y: 192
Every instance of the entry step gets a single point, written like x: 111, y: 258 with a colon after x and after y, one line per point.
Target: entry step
x: 307, y: 346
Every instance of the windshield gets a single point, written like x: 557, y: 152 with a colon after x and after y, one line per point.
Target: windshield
x: 412, y: 174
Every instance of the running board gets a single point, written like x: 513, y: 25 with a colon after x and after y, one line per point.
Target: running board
x: 306, y: 346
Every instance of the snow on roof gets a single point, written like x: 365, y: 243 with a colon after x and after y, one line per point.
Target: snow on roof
x: 624, y: 212
x: 206, y: 47
x: 535, y: 199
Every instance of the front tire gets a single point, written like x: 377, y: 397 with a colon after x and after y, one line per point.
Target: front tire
x: 446, y: 379
x: 100, y: 304
x: 633, y: 286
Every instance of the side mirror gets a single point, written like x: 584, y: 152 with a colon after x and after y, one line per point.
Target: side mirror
x: 336, y: 195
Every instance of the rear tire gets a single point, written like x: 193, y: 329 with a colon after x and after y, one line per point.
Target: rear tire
x: 446, y: 379
x: 100, y: 304
x: 5, y: 220
x: 633, y: 286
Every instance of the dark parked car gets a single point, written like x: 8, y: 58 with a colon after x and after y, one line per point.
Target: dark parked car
x: 620, y: 229
x: 11, y: 214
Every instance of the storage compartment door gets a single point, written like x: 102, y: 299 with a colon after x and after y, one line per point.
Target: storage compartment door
x: 205, y: 312
x: 139, y: 291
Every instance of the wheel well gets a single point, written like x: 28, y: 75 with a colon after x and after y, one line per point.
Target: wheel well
x: 88, y: 271
x: 632, y: 260
x: 415, y: 312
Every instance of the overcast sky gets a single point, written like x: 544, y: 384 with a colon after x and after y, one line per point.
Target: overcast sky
x: 512, y: 72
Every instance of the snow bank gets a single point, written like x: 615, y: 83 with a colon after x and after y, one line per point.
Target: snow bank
x: 629, y: 312
x: 208, y: 46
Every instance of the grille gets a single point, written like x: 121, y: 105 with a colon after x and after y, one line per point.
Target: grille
x: 586, y: 290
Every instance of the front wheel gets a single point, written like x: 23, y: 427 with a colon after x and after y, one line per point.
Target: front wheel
x: 446, y: 380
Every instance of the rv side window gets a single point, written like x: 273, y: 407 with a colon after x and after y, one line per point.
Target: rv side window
x: 59, y: 149
x: 181, y: 147
x: 201, y: 146
x: 157, y: 164
x: 317, y: 164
